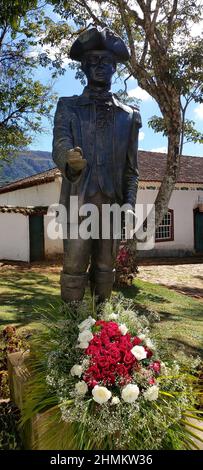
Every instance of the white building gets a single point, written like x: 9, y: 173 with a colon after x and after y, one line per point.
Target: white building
x: 24, y: 203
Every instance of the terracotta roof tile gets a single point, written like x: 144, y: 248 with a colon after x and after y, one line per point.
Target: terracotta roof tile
x: 152, y: 166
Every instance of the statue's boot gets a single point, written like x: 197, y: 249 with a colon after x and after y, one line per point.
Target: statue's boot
x: 73, y: 286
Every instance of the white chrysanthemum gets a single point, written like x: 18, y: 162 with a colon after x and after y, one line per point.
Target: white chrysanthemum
x: 139, y: 352
x: 149, y: 343
x: 81, y: 388
x: 115, y: 401
x: 151, y: 393
x: 130, y: 393
x: 86, y: 324
x: 85, y: 336
x: 142, y: 336
x: 76, y: 370
x: 113, y: 316
x: 123, y: 329
x: 101, y: 394
x: 82, y: 345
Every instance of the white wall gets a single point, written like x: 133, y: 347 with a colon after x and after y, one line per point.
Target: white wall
x: 14, y: 237
x: 182, y: 202
x: 41, y: 195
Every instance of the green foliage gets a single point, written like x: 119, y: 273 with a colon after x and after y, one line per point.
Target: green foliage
x: 190, y: 134
x: 24, y: 102
x: 9, y: 434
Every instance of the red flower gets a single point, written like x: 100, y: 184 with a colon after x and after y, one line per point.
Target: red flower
x: 155, y: 366
x: 129, y: 359
x: 114, y: 353
x: 122, y: 370
x: 136, y: 341
x: 151, y: 381
x: 149, y: 352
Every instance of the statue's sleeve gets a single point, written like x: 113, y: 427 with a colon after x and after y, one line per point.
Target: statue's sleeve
x: 131, y: 176
x: 63, y: 139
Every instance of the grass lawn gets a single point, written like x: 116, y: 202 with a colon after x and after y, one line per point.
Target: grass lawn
x: 24, y: 293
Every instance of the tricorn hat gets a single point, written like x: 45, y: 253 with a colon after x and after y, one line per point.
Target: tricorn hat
x: 93, y: 39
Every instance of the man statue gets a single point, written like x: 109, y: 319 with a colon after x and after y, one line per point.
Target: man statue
x: 95, y: 147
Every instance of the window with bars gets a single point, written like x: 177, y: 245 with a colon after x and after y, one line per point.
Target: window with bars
x: 165, y: 231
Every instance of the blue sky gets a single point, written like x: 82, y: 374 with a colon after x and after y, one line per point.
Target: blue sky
x: 67, y: 85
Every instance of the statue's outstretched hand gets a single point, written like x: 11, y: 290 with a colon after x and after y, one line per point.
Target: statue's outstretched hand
x: 75, y: 159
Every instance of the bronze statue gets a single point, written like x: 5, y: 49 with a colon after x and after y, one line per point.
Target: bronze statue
x: 95, y: 147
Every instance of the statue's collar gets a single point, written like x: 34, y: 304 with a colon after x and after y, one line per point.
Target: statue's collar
x: 86, y: 99
x: 97, y: 95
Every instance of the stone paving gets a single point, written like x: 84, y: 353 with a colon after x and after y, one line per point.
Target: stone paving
x: 187, y: 278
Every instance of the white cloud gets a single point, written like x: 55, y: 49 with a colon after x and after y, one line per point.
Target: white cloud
x: 141, y: 135
x: 199, y: 111
x: 159, y: 150
x: 196, y: 29
x: 139, y: 93
x: 51, y: 51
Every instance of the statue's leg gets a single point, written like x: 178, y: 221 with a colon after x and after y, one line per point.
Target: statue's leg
x: 102, y: 272
x: 74, y: 275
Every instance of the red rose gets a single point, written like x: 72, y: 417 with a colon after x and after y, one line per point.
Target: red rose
x: 129, y: 359
x: 92, y: 372
x: 122, y: 370
x: 114, y: 353
x: 95, y: 341
x: 91, y: 350
x: 102, y: 361
x: 136, y: 341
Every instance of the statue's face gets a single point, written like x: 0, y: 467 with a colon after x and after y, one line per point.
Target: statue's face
x: 99, y: 67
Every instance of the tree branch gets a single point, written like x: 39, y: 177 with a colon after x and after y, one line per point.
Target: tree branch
x: 94, y: 17
x: 11, y: 115
x: 3, y: 33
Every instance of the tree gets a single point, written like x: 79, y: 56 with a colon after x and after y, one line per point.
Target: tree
x: 24, y: 102
x: 165, y: 59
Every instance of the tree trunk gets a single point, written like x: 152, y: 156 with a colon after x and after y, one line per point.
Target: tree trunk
x: 170, y: 177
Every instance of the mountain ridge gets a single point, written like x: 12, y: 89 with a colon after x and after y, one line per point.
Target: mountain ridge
x: 25, y: 164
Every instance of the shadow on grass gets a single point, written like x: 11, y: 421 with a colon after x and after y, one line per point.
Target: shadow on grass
x: 23, y: 294
x: 134, y: 291
x: 184, y: 346
x: 195, y: 292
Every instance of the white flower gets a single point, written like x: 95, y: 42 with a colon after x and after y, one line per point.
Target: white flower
x: 76, y: 370
x: 149, y: 343
x: 139, y: 352
x: 82, y: 345
x: 113, y: 316
x: 86, y: 324
x: 85, y: 336
x: 81, y: 388
x: 115, y: 401
x: 164, y: 369
x: 142, y: 337
x: 151, y: 393
x: 123, y: 329
x: 101, y: 394
x: 130, y: 393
